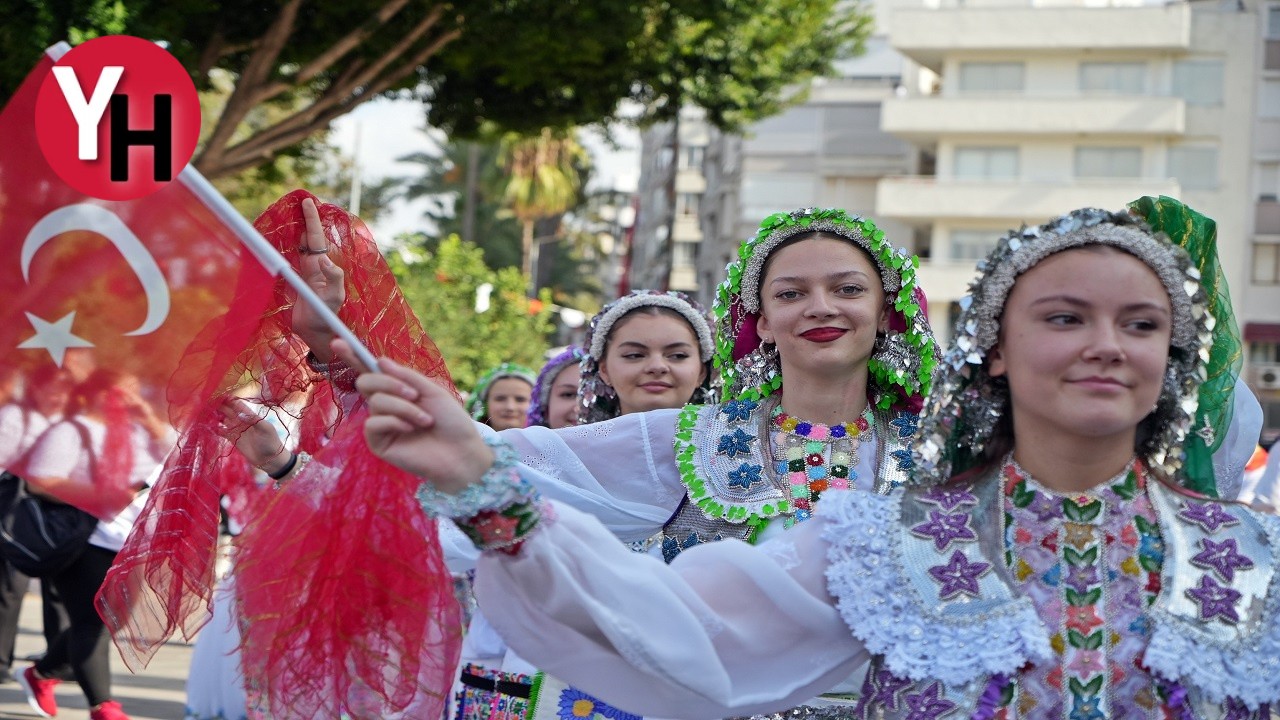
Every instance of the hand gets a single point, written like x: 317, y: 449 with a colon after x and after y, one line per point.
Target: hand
x: 144, y: 413
x: 417, y: 425
x: 253, y: 437
x: 324, y: 277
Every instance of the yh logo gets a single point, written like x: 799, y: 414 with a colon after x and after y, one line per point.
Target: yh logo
x: 118, y: 117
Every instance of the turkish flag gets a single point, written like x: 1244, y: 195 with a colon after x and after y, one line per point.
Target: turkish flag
x: 143, y: 286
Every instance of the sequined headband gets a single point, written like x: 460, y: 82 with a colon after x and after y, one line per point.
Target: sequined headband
x: 617, y: 309
x: 967, y: 404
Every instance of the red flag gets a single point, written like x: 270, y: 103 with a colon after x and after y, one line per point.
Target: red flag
x: 141, y: 286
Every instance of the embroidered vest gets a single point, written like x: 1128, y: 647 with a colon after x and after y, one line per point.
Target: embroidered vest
x: 732, y: 489
x: 931, y: 592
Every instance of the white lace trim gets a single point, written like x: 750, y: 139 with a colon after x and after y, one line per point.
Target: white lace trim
x: 1248, y: 672
x: 867, y: 577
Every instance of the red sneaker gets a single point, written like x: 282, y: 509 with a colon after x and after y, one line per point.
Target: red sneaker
x: 109, y: 710
x: 39, y: 692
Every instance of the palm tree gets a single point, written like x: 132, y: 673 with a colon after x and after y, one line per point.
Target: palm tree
x: 544, y: 178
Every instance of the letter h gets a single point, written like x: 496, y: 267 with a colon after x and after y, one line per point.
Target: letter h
x: 159, y: 137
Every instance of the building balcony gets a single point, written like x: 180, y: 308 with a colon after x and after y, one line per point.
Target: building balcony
x: 1010, y: 201
x: 927, y: 118
x: 927, y: 35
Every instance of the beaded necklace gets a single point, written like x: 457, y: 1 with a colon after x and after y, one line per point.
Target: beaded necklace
x: 808, y: 466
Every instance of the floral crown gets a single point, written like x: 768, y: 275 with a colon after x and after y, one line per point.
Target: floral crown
x: 737, y: 307
x: 478, y: 401
x: 967, y: 403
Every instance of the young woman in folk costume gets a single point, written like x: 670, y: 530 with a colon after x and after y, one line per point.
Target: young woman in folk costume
x: 1051, y: 557
x: 336, y: 508
x: 644, y: 351
x: 502, y: 396
x: 555, y: 391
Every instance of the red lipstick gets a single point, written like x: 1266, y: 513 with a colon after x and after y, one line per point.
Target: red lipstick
x: 823, y: 334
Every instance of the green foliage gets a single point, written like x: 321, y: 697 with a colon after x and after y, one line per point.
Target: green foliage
x: 514, y: 65
x: 441, y: 288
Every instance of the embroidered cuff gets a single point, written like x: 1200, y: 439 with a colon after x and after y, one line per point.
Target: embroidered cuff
x: 503, y: 530
x: 499, y: 488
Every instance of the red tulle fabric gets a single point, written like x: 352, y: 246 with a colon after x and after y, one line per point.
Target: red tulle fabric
x: 347, y: 604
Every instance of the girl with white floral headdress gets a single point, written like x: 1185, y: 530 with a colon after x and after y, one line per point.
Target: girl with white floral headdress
x: 1049, y: 558
x: 646, y: 350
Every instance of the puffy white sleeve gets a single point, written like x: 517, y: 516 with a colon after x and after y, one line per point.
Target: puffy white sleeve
x: 11, y: 434
x: 727, y: 629
x: 622, y: 471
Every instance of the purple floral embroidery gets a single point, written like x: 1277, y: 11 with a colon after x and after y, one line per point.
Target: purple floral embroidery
x: 1215, y: 600
x: 884, y: 687
x: 1082, y: 578
x: 1045, y: 507
x: 928, y: 704
x: 1224, y: 558
x: 958, y: 576
x: 949, y: 499
x: 944, y: 529
x: 1207, y: 515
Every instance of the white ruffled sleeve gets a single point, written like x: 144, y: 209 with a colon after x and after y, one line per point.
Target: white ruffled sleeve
x: 727, y: 629
x: 622, y: 471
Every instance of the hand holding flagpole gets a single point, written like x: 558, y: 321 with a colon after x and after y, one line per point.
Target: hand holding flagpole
x: 277, y: 265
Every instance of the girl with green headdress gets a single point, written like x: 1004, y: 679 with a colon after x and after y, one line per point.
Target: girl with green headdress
x: 1046, y: 560
x: 501, y: 397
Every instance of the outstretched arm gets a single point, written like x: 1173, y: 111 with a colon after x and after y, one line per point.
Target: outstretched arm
x: 728, y: 629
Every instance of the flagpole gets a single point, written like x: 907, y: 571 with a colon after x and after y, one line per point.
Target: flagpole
x: 271, y: 259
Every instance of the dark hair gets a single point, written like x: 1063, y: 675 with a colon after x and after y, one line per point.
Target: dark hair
x: 700, y: 394
x: 98, y: 382
x: 43, y: 377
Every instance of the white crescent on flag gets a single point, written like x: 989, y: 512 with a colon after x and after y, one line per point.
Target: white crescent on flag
x: 56, y: 337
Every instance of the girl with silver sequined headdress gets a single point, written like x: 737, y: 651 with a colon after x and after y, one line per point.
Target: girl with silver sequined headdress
x: 1072, y: 573
x: 818, y: 296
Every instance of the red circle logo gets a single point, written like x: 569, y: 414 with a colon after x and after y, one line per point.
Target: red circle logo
x: 118, y: 117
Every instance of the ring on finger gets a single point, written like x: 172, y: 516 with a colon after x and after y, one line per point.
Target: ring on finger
x: 308, y: 251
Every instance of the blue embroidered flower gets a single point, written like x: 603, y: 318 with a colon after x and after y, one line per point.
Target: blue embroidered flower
x: 735, y: 444
x: 1153, y: 547
x: 802, y: 515
x: 904, y: 459
x: 738, y: 410
x: 745, y: 476
x: 1141, y: 626
x: 576, y: 705
x: 1085, y: 709
x: 1053, y: 577
x: 906, y: 424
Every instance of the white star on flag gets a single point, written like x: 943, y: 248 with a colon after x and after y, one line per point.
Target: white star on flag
x: 54, y: 337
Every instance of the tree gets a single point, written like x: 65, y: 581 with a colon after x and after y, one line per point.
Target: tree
x: 441, y: 288
x: 545, y: 173
x: 519, y: 65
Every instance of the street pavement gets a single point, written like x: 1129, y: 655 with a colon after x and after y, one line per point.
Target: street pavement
x: 156, y: 693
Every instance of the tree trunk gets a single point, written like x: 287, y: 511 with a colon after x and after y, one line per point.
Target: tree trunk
x: 526, y: 251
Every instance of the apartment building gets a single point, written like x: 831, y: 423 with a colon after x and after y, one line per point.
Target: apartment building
x: 1020, y: 111
x: 828, y: 151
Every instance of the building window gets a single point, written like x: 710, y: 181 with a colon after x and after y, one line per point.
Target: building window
x: 988, y: 163
x: 692, y: 156
x: 1273, y: 22
x: 1265, y: 353
x: 684, y: 254
x: 1269, y: 181
x: 1108, y: 162
x: 1199, y: 82
x: 985, y: 77
x: 687, y: 204
x: 1195, y: 168
x: 1269, y: 100
x: 973, y: 245
x: 1266, y: 263
x: 1121, y: 78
